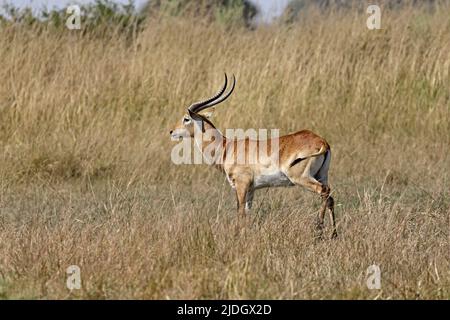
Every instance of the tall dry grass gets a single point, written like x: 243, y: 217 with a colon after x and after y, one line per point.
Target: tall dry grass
x: 86, y: 176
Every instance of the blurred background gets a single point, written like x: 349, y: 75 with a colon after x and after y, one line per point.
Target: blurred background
x: 267, y: 9
x: 262, y: 11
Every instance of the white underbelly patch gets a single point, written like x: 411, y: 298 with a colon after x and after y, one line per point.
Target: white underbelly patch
x: 276, y: 179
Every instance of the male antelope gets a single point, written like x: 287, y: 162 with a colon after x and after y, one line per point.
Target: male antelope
x: 301, y: 158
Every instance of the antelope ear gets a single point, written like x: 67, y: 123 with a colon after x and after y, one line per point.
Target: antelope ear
x: 208, y: 114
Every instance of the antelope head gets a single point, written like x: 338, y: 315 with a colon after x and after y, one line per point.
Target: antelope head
x: 185, y: 127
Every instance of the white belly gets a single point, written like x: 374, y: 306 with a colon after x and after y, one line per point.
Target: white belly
x: 273, y: 179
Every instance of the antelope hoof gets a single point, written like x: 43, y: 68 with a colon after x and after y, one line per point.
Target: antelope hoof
x: 318, y: 231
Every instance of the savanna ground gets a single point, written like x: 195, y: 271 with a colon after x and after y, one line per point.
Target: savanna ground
x: 86, y: 177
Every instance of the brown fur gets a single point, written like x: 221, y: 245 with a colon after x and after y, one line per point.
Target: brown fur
x: 304, y: 159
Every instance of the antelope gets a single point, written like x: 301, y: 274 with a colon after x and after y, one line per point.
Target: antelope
x: 301, y: 158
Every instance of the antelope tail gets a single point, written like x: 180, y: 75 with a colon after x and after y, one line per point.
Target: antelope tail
x: 322, y: 150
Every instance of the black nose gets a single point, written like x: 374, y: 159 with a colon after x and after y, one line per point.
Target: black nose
x: 171, y: 131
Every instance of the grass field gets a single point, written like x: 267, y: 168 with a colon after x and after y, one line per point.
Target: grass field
x: 86, y: 177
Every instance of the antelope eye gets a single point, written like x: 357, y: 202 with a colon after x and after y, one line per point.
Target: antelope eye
x: 186, y: 120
